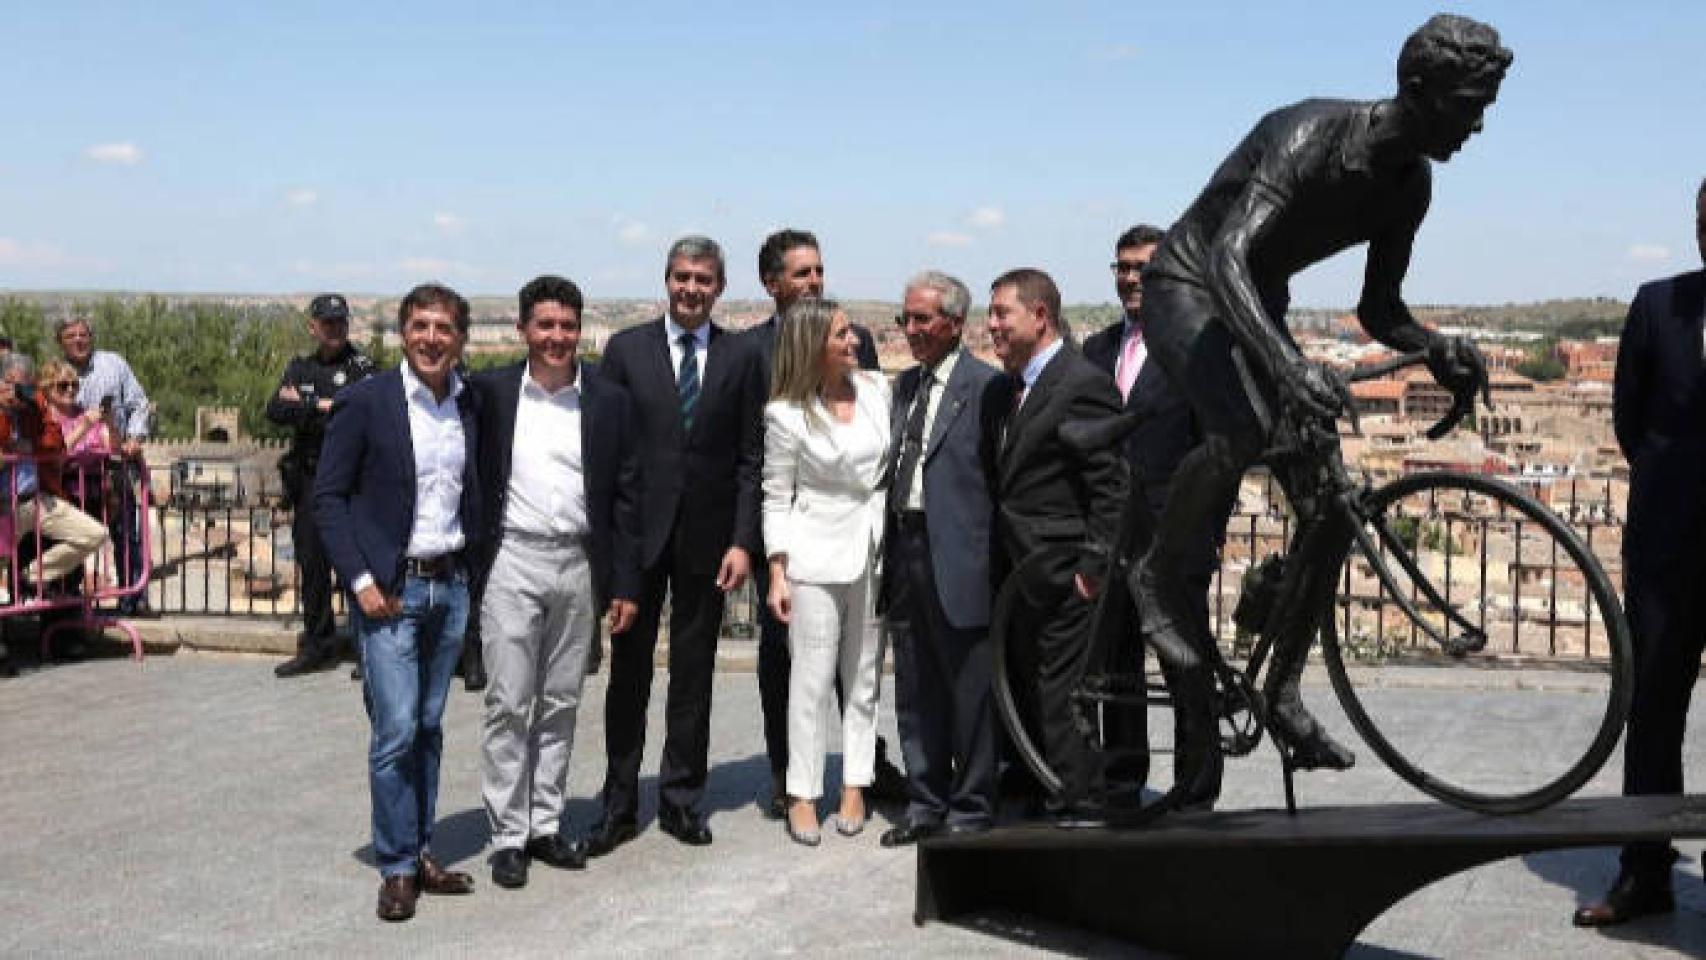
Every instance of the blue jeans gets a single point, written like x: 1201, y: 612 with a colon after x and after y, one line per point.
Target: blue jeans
x: 407, y: 662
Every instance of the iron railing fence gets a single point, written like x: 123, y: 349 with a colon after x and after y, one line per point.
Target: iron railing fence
x: 223, y: 548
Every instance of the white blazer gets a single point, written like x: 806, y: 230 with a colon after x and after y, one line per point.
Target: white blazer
x: 821, y: 503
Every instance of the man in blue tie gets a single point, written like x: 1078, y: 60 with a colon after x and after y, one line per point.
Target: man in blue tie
x: 699, y: 406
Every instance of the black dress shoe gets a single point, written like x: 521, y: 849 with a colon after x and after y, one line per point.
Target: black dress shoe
x: 907, y: 834
x: 306, y: 661
x: 1627, y: 899
x: 355, y: 671
x: 397, y: 896
x: 684, y: 825
x: 610, y: 834
x: 509, y: 868
x: 558, y: 851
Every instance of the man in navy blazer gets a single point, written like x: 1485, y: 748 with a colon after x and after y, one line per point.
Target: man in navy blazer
x: 699, y: 408
x: 1659, y: 412
x: 397, y: 502
x: 559, y: 483
x: 1154, y: 449
x: 936, y: 589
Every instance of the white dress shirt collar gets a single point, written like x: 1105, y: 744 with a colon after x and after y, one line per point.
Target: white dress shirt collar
x: 414, y: 386
x: 529, y: 383
x: 701, y: 335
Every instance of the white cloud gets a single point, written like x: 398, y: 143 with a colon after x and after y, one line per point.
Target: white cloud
x: 631, y: 233
x: 19, y: 253
x: 302, y: 197
x: 447, y: 222
x: 987, y: 218
x: 948, y: 238
x: 1648, y: 252
x: 128, y: 154
x: 1113, y: 53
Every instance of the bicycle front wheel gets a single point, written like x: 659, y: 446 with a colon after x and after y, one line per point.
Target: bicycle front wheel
x: 1125, y: 713
x: 1477, y: 644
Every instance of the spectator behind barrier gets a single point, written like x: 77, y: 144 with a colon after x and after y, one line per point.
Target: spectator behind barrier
x: 104, y: 378
x: 33, y: 495
x: 88, y: 432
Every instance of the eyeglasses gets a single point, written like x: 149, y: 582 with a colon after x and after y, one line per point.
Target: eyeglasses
x: 903, y: 321
x: 1121, y: 268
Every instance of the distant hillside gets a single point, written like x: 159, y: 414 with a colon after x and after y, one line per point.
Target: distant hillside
x: 1570, y: 317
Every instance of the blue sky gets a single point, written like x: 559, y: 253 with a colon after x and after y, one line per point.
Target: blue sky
x: 287, y: 147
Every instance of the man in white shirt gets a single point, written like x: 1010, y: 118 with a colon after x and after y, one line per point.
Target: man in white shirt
x: 559, y: 497
x: 395, y: 498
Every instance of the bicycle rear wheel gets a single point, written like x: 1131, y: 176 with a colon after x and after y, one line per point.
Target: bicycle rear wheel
x: 1477, y: 644
x: 1102, y: 691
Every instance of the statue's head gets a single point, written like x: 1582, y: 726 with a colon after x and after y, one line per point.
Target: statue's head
x: 1448, y: 74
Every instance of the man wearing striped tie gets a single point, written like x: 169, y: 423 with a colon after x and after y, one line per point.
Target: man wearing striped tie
x: 699, y: 399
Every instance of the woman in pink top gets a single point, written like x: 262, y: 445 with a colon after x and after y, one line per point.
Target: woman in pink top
x: 88, y: 434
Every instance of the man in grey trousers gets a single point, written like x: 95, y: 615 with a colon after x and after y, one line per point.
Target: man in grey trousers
x: 559, y: 478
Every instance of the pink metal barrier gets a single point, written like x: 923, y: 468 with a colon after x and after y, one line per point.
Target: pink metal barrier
x: 110, y: 491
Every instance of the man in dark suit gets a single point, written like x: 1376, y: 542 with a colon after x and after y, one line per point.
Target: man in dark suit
x: 699, y: 407
x: 936, y: 589
x: 790, y: 265
x: 1154, y: 449
x: 396, y: 497
x: 1659, y: 412
x: 1046, y: 495
x: 559, y: 484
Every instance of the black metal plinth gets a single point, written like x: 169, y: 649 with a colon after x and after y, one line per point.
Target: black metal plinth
x: 1260, y: 883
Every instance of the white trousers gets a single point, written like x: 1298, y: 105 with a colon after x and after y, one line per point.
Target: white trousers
x: 834, y: 630
x: 537, y: 624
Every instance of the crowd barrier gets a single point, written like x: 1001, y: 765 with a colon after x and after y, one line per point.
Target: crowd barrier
x: 108, y: 490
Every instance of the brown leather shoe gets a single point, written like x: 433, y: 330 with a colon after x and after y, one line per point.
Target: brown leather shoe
x: 397, y: 897
x: 436, y: 879
x: 1627, y: 899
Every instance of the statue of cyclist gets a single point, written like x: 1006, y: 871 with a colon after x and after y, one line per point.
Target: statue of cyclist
x: 1308, y: 181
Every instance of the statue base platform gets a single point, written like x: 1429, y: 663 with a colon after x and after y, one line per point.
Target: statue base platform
x: 1260, y: 882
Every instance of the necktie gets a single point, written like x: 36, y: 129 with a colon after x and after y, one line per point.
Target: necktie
x: 1131, y: 353
x: 1019, y: 389
x: 912, y: 443
x: 687, y: 384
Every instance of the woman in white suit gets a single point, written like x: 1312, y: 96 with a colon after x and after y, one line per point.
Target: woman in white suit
x: 826, y: 434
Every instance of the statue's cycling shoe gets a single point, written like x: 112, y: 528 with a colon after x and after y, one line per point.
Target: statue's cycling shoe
x: 1309, y: 746
x: 1160, y: 628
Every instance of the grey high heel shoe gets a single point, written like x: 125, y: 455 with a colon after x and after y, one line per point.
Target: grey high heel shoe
x: 805, y: 838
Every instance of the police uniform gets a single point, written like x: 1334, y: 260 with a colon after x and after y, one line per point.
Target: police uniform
x: 314, y: 379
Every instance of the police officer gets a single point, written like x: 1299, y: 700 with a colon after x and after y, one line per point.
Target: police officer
x: 302, y: 402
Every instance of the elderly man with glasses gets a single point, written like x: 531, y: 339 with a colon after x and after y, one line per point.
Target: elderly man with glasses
x: 106, y: 380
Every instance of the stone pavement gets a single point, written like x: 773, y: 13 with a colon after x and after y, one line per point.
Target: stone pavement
x: 196, y: 806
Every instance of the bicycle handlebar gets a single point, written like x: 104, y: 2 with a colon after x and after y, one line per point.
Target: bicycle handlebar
x: 1462, y: 404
